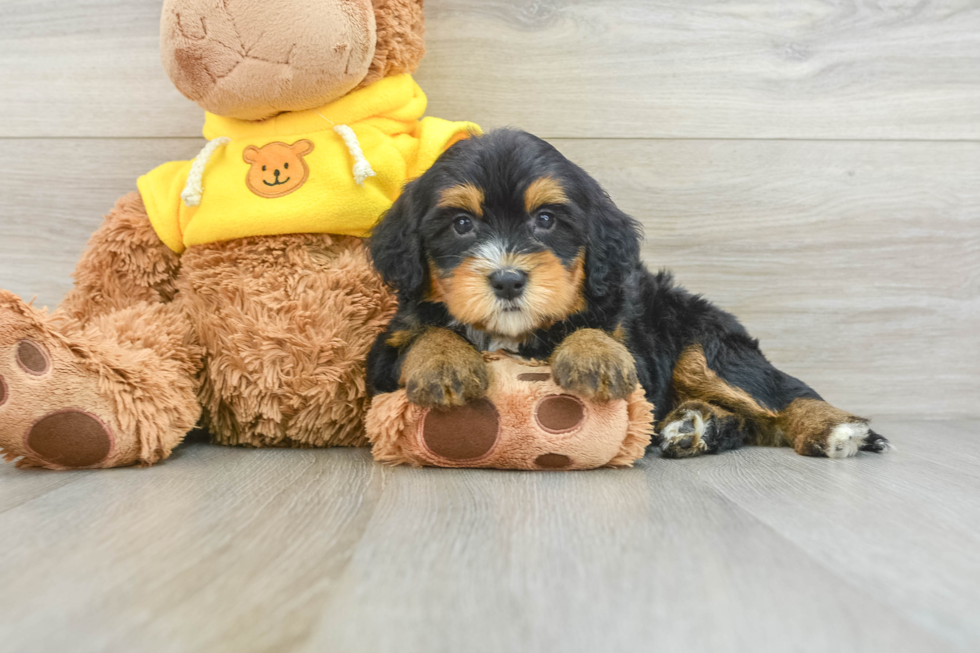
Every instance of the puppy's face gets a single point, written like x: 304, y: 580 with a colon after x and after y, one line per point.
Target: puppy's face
x: 506, y: 258
x: 503, y: 227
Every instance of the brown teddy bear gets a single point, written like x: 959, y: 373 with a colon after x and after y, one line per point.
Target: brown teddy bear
x: 234, y: 289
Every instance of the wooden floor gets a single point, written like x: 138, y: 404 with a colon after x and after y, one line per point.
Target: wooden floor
x: 759, y: 550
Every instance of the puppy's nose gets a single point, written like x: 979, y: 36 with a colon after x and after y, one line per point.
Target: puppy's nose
x: 276, y: 173
x: 508, y: 284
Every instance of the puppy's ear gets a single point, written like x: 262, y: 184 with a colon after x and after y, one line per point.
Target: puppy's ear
x: 614, y: 243
x: 396, y: 246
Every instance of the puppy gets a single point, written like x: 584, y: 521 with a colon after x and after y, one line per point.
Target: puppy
x: 505, y: 244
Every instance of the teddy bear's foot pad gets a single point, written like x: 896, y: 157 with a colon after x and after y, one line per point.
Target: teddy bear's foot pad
x: 52, y: 412
x: 526, y: 421
x: 70, y: 438
x: 464, y: 433
x: 553, y: 461
x: 61, y: 438
x: 32, y: 358
x: 560, y: 413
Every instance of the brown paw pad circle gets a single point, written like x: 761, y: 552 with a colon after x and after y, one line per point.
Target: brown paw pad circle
x: 560, y: 413
x: 70, y: 438
x: 553, y: 461
x: 534, y: 377
x: 32, y: 358
x: 464, y: 433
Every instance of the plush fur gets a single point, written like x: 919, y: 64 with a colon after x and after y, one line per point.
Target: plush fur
x: 287, y: 323
x: 610, y: 434
x: 124, y: 263
x: 253, y: 59
x: 400, y: 41
x: 508, y: 245
x: 261, y: 339
x: 133, y: 370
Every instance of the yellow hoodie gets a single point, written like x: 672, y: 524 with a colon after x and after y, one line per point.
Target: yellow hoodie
x: 333, y: 170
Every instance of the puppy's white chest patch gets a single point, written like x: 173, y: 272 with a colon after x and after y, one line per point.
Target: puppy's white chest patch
x: 488, y: 342
x: 509, y: 346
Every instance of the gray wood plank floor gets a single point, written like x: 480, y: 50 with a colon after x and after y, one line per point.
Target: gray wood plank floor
x: 237, y: 550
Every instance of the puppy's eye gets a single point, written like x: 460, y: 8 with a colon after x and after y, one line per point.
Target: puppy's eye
x: 544, y: 221
x: 263, y: 168
x: 286, y: 166
x: 462, y: 224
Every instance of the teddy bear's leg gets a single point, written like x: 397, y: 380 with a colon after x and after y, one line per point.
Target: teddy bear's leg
x: 124, y: 263
x: 109, y: 379
x: 286, y: 323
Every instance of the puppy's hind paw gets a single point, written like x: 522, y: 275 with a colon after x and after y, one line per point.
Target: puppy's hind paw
x: 876, y: 443
x: 684, y: 437
x: 845, y: 440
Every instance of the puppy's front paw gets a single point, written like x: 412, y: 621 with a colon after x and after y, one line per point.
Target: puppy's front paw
x: 442, y: 382
x: 443, y: 370
x: 593, y: 365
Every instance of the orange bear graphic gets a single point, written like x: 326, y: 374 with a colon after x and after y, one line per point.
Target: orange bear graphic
x: 277, y: 169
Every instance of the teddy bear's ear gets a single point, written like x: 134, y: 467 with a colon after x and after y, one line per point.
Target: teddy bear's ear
x: 302, y: 148
x: 400, y: 41
x: 251, y: 154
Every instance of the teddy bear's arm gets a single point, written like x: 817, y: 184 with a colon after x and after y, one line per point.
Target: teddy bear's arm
x: 124, y: 263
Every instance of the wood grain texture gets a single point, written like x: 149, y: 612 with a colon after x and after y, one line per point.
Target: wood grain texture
x: 87, y: 68
x: 710, y: 68
x: 323, y: 550
x: 857, y: 264
x: 57, y: 193
x: 902, y: 69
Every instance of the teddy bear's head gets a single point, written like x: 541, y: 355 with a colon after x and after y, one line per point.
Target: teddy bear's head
x: 253, y: 59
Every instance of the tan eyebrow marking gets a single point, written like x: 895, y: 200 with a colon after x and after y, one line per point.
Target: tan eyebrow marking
x: 543, y: 191
x: 466, y: 197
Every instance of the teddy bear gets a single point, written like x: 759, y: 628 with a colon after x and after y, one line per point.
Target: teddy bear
x: 526, y: 421
x: 234, y: 290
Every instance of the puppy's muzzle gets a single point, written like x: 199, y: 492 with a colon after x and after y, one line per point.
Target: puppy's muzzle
x: 508, y: 284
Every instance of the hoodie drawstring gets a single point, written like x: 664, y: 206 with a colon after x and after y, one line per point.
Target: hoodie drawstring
x: 194, y: 189
x: 362, y: 167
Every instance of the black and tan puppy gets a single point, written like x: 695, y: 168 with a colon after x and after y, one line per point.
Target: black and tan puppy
x: 505, y: 244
